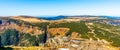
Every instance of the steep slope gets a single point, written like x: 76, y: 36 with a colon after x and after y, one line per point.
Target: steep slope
x: 15, y: 38
x: 17, y: 33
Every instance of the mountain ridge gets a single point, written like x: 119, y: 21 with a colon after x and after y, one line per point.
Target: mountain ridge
x: 58, y: 32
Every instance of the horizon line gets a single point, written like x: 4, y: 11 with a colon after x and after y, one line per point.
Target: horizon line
x: 57, y: 15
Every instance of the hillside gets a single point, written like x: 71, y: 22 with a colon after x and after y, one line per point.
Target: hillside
x: 94, y: 30
x: 57, y: 34
x: 28, y: 19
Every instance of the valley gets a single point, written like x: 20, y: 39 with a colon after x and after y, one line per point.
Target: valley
x: 70, y: 33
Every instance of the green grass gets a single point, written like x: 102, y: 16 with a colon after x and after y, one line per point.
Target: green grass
x: 41, y: 25
x: 82, y: 29
x: 79, y: 27
x: 111, y: 37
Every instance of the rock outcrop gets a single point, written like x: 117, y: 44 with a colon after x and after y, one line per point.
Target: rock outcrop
x: 58, y: 43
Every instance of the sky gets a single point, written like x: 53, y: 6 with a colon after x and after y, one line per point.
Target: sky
x: 59, y: 7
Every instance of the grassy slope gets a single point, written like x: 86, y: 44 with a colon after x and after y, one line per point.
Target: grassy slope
x: 99, y: 30
x: 79, y: 27
x: 41, y: 25
x: 113, y: 35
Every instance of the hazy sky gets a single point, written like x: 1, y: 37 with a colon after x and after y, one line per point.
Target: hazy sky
x: 59, y: 7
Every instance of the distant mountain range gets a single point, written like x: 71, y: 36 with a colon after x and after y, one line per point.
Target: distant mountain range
x: 54, y: 17
x: 61, y: 17
x: 112, y: 17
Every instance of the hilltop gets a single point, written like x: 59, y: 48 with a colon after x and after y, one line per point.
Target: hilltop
x: 27, y: 19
